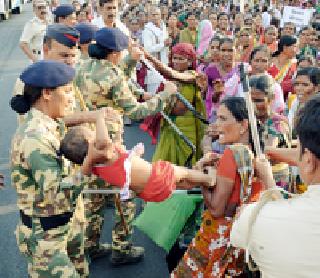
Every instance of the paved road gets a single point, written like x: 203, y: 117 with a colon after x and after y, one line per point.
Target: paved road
x: 12, y: 265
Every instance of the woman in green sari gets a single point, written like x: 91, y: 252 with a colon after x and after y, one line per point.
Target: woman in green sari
x: 173, y: 223
x: 171, y: 147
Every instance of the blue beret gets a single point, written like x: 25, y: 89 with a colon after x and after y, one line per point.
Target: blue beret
x: 112, y: 38
x: 64, y: 10
x: 87, y: 32
x: 47, y: 74
x: 63, y: 34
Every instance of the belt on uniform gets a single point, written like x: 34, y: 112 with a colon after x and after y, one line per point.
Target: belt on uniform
x: 47, y: 223
x: 37, y: 52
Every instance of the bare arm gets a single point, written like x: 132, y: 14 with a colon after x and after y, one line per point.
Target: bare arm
x: 79, y: 118
x: 217, y: 199
x: 25, y: 48
x: 170, y: 73
x: 194, y: 177
x: 102, y: 136
x: 289, y: 156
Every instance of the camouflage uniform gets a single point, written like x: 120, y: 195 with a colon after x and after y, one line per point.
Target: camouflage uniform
x: 105, y: 85
x: 45, y: 188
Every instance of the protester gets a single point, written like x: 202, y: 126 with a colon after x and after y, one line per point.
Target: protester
x: 209, y: 254
x: 284, y: 64
x: 227, y: 71
x: 189, y: 34
x: 280, y: 254
x: 156, y: 42
x: 260, y: 60
x: 270, y: 38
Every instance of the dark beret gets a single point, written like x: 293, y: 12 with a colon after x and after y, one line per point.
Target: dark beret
x: 112, y: 38
x: 64, y: 10
x: 87, y: 32
x: 63, y: 34
x: 47, y: 74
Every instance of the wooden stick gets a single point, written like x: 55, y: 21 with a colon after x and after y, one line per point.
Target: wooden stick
x: 250, y: 108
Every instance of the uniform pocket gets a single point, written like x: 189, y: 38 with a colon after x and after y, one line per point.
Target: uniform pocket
x: 23, y: 236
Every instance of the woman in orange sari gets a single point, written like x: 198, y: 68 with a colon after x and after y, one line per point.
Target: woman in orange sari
x: 284, y: 64
x: 210, y: 254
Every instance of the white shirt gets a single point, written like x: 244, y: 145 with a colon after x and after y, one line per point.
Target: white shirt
x: 266, y: 19
x: 285, y: 239
x: 277, y: 13
x: 33, y: 34
x: 98, y: 21
x: 153, y: 39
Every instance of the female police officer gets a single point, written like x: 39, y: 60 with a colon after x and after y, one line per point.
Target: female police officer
x: 46, y: 191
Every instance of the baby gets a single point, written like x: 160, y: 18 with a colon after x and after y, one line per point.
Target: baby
x: 152, y: 182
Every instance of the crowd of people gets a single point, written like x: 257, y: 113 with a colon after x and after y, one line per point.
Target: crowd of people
x: 248, y: 207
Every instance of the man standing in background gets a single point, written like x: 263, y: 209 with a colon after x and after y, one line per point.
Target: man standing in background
x: 31, y: 40
x: 155, y: 41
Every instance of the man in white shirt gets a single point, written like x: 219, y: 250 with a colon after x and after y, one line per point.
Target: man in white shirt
x: 283, y: 236
x: 31, y: 40
x: 266, y: 17
x: 155, y: 41
x: 108, y: 16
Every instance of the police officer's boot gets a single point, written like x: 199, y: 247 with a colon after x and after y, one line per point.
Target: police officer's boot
x: 102, y: 250
x: 135, y: 255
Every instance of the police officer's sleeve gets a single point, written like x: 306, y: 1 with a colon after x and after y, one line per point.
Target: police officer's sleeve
x: 49, y: 174
x: 128, y: 65
x: 124, y: 98
x: 138, y: 92
x: 27, y: 33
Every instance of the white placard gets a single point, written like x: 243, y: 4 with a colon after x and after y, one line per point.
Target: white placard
x: 300, y: 17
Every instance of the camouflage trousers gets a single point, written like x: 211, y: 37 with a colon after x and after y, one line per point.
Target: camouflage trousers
x: 95, y: 205
x: 58, y: 252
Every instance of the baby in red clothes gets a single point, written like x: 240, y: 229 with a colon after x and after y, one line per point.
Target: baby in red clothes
x: 152, y: 182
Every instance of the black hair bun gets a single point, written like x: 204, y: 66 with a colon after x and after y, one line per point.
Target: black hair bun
x: 97, y: 51
x: 20, y: 104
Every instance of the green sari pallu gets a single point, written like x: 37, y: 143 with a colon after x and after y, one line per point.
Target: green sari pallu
x: 164, y: 222
x: 171, y: 147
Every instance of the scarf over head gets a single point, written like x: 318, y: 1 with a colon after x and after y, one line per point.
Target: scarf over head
x: 186, y: 50
x: 204, y: 36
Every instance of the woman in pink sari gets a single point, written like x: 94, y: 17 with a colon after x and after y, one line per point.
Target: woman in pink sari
x: 227, y: 72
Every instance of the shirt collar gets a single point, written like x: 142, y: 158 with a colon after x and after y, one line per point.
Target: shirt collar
x: 48, y: 123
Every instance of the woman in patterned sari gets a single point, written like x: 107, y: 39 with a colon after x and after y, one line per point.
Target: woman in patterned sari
x: 210, y: 254
x: 284, y: 64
